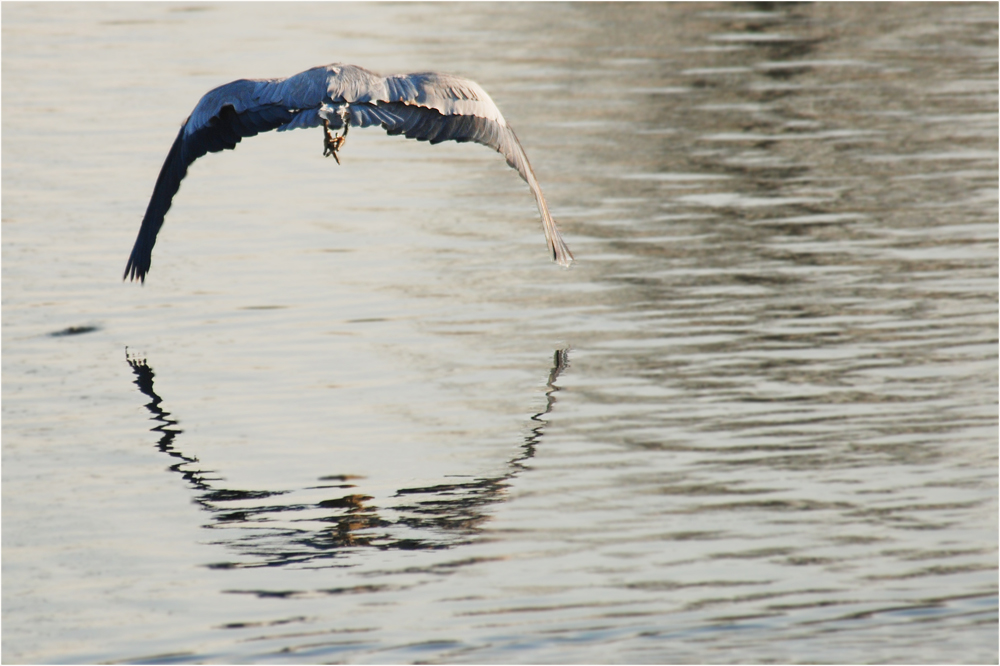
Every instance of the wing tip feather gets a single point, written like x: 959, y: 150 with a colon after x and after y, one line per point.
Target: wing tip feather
x: 560, y: 252
x: 135, y: 271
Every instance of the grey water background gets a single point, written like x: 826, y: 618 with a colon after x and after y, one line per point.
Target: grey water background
x: 356, y: 414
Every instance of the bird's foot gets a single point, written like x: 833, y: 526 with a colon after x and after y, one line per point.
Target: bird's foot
x: 333, y: 142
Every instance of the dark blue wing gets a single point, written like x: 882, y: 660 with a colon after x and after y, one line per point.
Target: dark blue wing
x: 424, y: 124
x: 222, y: 132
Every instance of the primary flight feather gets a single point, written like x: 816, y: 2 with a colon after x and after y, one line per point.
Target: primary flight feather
x: 425, y: 106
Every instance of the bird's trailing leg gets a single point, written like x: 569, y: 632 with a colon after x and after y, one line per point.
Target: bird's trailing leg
x: 333, y: 142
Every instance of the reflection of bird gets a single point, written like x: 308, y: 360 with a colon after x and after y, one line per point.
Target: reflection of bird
x: 428, y: 517
x: 426, y: 106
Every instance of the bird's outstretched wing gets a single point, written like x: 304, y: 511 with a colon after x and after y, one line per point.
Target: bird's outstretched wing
x: 221, y: 132
x: 429, y: 124
x: 425, y: 106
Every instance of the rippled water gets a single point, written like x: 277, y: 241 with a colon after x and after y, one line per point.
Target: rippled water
x: 356, y: 414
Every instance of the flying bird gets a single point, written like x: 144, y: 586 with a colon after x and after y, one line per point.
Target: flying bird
x: 426, y: 106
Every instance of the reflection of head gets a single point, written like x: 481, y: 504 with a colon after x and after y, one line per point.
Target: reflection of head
x: 268, y: 533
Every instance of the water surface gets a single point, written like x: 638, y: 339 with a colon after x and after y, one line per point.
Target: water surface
x: 355, y: 414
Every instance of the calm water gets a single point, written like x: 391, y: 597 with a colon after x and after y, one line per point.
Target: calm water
x: 356, y: 415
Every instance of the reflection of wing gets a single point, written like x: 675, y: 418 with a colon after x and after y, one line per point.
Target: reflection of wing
x: 424, y: 106
x: 144, y: 380
x: 432, y: 517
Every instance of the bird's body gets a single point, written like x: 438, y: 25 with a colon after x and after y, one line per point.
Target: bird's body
x: 425, y: 106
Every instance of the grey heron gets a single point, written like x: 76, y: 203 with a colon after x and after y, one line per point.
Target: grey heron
x: 426, y: 106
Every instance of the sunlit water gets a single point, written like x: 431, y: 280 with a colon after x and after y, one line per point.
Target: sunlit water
x: 355, y: 414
